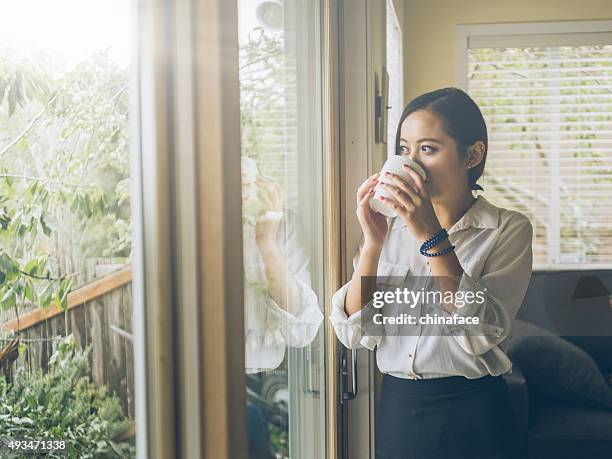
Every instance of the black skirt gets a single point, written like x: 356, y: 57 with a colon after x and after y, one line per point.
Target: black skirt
x: 452, y: 417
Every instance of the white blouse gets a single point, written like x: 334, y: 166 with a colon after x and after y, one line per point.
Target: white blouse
x: 493, y: 245
x: 270, y: 329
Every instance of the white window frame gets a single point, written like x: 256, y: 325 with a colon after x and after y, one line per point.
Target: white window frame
x: 396, y: 24
x: 515, y: 35
x: 512, y: 35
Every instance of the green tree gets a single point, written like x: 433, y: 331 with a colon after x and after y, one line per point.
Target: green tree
x: 64, y: 174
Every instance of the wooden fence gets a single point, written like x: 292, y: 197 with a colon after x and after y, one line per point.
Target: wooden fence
x: 98, y: 314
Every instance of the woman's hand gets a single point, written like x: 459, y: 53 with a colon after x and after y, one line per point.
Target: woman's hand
x: 412, y: 203
x: 373, y: 224
x: 270, y: 196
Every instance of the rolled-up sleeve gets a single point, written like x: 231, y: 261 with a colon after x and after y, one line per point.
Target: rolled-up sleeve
x: 300, y: 327
x: 300, y: 330
x: 500, y: 289
x: 348, y: 329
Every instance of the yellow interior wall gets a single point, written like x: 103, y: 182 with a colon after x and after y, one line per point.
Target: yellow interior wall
x: 429, y: 43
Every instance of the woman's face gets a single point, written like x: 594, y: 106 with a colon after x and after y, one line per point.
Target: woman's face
x: 423, y: 139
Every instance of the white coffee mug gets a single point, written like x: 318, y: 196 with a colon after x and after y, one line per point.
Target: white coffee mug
x: 394, y: 164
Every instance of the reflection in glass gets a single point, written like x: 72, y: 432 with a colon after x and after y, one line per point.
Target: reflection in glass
x: 282, y: 236
x: 281, y: 308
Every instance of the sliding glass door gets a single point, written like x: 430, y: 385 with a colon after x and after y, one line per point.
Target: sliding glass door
x: 282, y: 182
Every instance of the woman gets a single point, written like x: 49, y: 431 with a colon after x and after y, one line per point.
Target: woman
x: 442, y: 394
x: 281, y: 309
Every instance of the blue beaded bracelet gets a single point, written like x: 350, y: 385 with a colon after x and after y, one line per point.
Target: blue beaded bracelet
x: 441, y: 252
x: 434, y: 240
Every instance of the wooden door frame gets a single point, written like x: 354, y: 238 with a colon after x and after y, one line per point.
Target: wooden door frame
x: 362, y: 56
x: 220, y: 234
x: 186, y: 114
x: 333, y: 219
x: 190, y: 381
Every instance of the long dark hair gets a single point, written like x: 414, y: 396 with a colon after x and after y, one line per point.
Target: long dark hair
x: 462, y: 121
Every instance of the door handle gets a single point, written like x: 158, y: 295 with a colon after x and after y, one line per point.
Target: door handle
x: 345, y: 373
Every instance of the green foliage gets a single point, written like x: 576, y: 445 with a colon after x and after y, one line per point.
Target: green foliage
x: 279, y: 440
x: 63, y: 404
x: 262, y: 95
x: 64, y: 174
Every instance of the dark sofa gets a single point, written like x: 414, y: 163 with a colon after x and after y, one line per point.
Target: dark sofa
x: 561, y: 343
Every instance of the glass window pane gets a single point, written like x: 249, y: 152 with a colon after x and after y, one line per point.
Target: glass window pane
x: 280, y: 98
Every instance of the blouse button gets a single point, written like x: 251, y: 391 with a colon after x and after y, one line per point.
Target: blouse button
x: 409, y: 355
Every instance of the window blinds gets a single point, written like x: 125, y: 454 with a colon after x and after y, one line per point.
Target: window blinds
x: 549, y: 115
